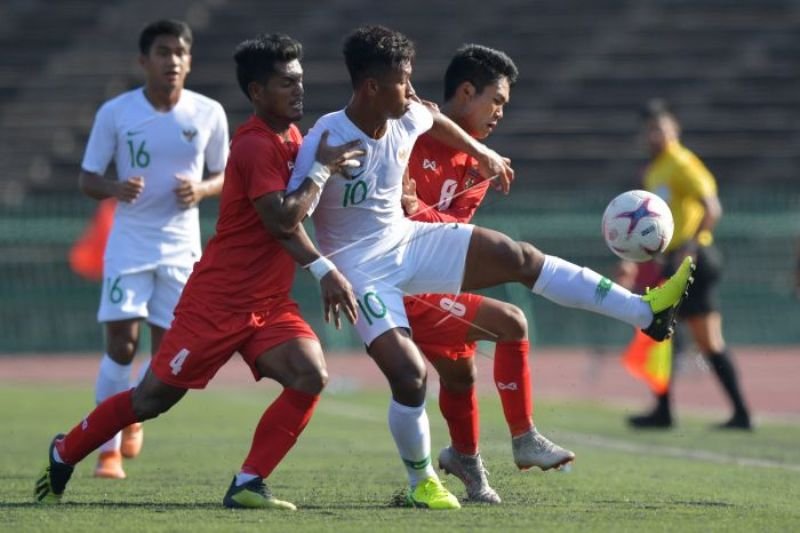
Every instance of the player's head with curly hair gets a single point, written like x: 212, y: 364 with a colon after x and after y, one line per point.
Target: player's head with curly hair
x: 374, y: 51
x: 270, y: 75
x: 257, y: 59
x: 480, y: 66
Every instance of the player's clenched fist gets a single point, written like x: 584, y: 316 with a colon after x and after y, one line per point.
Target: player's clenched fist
x: 188, y: 192
x: 129, y: 190
x: 339, y: 158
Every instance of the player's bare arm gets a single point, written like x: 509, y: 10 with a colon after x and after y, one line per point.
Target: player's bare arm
x: 337, y: 294
x: 712, y: 212
x: 99, y: 187
x: 339, y: 158
x: 490, y: 163
x: 189, y: 193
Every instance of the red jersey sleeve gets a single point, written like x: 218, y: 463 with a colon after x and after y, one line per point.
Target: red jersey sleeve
x: 262, y: 165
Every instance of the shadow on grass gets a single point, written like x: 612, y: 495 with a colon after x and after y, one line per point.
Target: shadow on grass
x: 659, y: 505
x: 161, y: 506
x: 110, y: 505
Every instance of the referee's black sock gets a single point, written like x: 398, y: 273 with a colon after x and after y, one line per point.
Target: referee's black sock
x: 726, y: 373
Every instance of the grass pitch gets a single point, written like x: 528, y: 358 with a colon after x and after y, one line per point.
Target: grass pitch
x: 344, y: 470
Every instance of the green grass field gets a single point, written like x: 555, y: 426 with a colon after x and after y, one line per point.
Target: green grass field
x: 344, y: 471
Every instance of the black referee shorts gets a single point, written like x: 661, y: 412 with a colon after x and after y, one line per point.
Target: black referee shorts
x: 703, y: 297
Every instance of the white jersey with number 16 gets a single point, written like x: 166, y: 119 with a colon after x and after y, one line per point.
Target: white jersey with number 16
x: 143, y: 141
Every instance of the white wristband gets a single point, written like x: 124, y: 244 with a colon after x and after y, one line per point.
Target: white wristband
x: 319, y: 174
x: 320, y: 267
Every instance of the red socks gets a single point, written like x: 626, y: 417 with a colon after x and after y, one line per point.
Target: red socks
x: 103, y: 423
x: 277, y: 431
x: 460, y: 410
x: 512, y: 377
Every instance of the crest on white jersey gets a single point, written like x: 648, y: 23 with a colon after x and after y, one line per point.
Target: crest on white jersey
x: 403, y: 153
x: 189, y: 134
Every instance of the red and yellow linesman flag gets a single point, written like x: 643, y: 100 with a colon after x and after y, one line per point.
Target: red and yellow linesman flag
x: 86, y: 255
x: 650, y: 361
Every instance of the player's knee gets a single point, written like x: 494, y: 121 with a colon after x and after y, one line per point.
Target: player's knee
x: 312, y: 382
x: 121, y: 348
x: 461, y: 382
x: 148, y: 406
x: 513, y: 325
x: 530, y: 261
x: 411, y: 382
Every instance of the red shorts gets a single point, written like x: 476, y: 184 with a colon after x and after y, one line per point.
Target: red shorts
x: 202, y: 339
x: 440, y: 323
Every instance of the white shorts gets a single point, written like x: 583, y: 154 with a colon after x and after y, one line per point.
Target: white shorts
x: 150, y: 294
x: 430, y: 259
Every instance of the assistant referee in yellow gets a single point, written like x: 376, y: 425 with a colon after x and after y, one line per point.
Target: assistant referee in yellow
x: 679, y: 177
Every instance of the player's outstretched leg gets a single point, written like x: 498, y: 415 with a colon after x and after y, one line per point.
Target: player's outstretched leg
x: 493, y: 258
x: 149, y: 399
x: 51, y: 483
x: 534, y: 449
x: 666, y: 300
x: 470, y: 470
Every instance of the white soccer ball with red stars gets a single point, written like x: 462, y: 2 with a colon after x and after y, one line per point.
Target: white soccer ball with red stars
x: 637, y: 225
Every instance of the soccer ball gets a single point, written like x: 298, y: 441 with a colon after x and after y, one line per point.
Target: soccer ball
x: 637, y: 225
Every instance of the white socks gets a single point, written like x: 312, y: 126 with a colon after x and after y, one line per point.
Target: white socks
x: 112, y: 378
x: 569, y: 285
x: 412, y: 435
x: 244, y: 477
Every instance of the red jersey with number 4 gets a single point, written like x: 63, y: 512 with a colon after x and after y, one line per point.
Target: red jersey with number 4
x: 442, y: 175
x: 244, y: 266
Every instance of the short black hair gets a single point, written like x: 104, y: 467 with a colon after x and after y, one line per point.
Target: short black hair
x: 479, y: 65
x: 656, y: 108
x: 371, y: 51
x: 176, y: 28
x: 255, y: 58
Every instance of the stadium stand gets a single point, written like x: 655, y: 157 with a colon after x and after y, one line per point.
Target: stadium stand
x: 730, y: 70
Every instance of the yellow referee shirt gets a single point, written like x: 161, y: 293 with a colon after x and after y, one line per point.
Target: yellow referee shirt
x: 682, y: 180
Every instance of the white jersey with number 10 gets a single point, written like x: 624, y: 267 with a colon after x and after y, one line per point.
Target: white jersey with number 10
x: 361, y: 217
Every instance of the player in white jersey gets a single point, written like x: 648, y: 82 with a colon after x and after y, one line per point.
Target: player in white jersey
x: 160, y: 136
x: 360, y: 226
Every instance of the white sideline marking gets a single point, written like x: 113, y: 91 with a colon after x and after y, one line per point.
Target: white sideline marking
x: 367, y: 414
x: 598, y: 441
